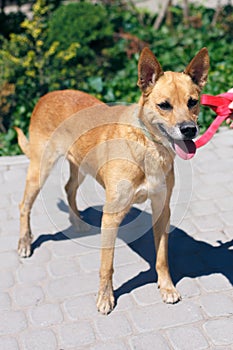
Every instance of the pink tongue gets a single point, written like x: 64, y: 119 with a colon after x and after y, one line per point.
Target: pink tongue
x: 185, y: 149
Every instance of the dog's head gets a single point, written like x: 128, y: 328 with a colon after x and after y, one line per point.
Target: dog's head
x: 173, y: 98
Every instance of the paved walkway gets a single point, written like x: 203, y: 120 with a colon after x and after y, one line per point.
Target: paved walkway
x: 47, y: 302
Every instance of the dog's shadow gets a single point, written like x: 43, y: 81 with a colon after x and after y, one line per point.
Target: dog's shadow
x: 187, y: 257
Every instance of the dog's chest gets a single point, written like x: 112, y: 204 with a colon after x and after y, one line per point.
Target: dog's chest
x: 156, y: 169
x: 150, y: 187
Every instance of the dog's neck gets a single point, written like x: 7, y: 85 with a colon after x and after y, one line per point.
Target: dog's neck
x: 148, y: 134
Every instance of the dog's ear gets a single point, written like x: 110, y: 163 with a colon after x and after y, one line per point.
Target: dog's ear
x: 198, y: 68
x: 149, y: 69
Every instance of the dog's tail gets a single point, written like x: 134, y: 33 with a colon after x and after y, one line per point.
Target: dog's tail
x: 23, y: 141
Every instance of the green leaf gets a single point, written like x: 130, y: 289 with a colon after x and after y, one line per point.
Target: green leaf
x: 96, y: 83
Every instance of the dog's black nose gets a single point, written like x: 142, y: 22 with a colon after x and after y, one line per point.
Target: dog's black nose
x: 189, y: 130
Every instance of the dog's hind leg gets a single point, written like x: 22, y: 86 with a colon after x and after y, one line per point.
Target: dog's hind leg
x: 36, y: 176
x: 75, y: 180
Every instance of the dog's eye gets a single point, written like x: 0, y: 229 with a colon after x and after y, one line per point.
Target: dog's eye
x: 192, y: 102
x: 166, y: 106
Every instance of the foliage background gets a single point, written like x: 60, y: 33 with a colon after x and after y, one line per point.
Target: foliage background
x: 95, y: 48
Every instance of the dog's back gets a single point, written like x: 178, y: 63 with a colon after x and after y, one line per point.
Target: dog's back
x: 50, y: 111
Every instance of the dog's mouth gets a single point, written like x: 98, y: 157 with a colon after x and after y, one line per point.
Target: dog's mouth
x: 184, y: 148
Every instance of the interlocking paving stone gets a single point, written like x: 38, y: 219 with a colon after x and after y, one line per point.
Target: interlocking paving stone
x: 160, y: 316
x: 10, y: 228
x: 188, y: 288
x: 127, y: 272
x: 8, y: 243
x: 228, y: 230
x: 147, y: 295
x: 216, y: 305
x: 90, y: 262
x: 69, y: 248
x: 204, y: 224
x: 148, y: 341
x: 212, y: 166
x: 209, y: 192
x: 187, y: 338
x: 12, y: 322
x: 77, y: 284
x: 5, y: 301
x: 46, y: 315
x: 8, y: 343
x: 6, y: 279
x: 203, y: 208
x: 79, y: 308
x: 218, y: 177
x: 226, y: 217
x: 39, y: 339
x: 63, y: 267
x: 188, y: 226
x: 123, y: 256
x: 114, y: 326
x: 124, y: 302
x: 118, y: 345
x: 24, y: 295
x: 220, y: 331
x: 12, y: 176
x: 76, y: 335
x: 216, y: 282
x: 39, y: 256
x: 215, y: 237
x: 31, y: 273
x: 225, y: 203
x: 4, y: 203
x: 9, y: 260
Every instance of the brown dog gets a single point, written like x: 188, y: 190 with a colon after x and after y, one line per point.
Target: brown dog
x: 129, y: 149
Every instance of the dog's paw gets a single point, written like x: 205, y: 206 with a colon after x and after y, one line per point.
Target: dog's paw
x: 79, y: 224
x: 170, y: 295
x: 105, y: 303
x: 24, y: 248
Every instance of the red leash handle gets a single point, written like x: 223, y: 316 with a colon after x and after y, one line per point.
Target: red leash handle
x: 220, y: 104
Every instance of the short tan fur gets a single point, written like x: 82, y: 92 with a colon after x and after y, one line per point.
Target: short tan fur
x: 128, y: 149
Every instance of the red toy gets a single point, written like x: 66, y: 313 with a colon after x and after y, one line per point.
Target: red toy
x: 220, y: 104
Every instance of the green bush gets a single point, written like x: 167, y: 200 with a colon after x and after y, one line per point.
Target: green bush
x: 83, y: 23
x: 95, y: 48
x: 10, y: 23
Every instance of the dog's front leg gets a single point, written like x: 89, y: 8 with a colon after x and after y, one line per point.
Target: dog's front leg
x: 109, y: 228
x: 168, y: 291
x: 161, y: 225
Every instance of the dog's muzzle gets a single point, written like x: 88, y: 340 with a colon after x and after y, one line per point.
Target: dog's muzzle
x: 189, y: 130
x: 181, y: 137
